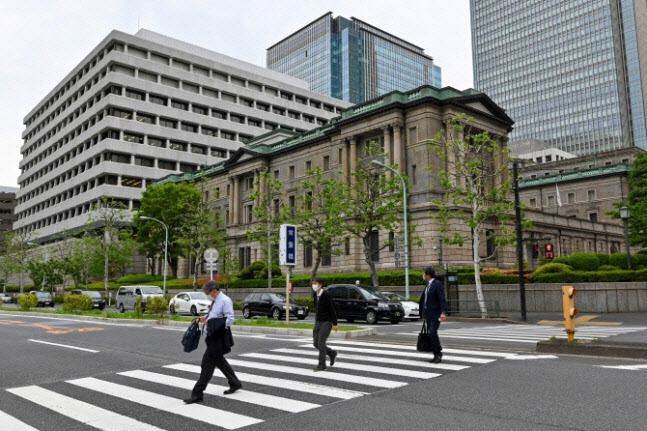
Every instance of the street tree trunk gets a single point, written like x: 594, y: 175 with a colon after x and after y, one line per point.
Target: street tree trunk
x: 315, y: 267
x: 368, y: 255
x: 477, y: 274
x: 269, y: 253
x: 106, y: 262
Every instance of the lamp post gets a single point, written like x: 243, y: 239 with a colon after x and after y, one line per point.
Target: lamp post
x: 625, y: 213
x: 519, y: 229
x: 165, y: 246
x: 406, y: 228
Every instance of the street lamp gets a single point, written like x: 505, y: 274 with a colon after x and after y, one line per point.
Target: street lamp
x: 165, y: 246
x: 406, y: 231
x: 625, y: 213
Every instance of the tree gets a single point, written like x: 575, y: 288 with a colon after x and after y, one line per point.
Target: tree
x: 319, y: 213
x: 269, y: 213
x: 47, y: 273
x: 475, y: 184
x: 638, y: 201
x: 19, y: 248
x: 8, y: 264
x: 228, y: 265
x: 173, y: 204
x: 373, y: 203
x: 204, y: 228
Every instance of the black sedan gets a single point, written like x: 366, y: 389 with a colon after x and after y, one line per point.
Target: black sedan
x: 354, y: 302
x: 44, y: 298
x: 272, y: 305
x: 97, y: 299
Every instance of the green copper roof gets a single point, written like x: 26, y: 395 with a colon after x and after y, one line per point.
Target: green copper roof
x: 572, y: 176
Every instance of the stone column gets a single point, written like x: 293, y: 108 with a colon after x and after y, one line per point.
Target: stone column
x: 352, y: 159
x: 387, y: 144
x: 236, y: 201
x: 399, y: 156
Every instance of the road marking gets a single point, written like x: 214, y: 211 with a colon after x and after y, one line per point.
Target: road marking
x: 531, y: 357
x: 80, y: 411
x: 581, y: 320
x: 424, y: 356
x: 279, y: 403
x: 13, y: 424
x: 346, y: 365
x: 64, y: 345
x: 625, y: 367
x: 210, y: 415
x: 351, y: 378
x: 467, y: 359
x: 275, y: 382
x: 379, y: 359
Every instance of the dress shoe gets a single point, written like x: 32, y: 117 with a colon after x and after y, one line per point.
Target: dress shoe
x: 320, y: 369
x: 333, y: 357
x: 193, y: 400
x: 437, y: 360
x: 232, y: 389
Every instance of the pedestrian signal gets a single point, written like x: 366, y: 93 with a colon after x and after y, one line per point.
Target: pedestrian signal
x: 549, y: 252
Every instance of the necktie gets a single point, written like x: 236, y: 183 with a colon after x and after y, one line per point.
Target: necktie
x: 426, y: 297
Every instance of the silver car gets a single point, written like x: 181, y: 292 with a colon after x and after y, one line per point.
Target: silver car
x: 127, y: 295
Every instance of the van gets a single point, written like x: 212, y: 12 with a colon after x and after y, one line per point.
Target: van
x: 127, y: 295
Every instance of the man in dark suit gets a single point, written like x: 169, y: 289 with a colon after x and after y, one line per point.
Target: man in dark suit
x: 218, y: 322
x: 433, y: 307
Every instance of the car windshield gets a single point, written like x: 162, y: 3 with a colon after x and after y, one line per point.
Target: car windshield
x: 92, y: 294
x: 198, y: 295
x: 150, y: 290
x: 277, y: 297
x: 373, y: 294
x: 42, y: 294
x: 395, y: 297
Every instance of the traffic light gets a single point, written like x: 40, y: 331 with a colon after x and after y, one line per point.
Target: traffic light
x: 535, y: 251
x: 568, y: 301
x: 549, y: 252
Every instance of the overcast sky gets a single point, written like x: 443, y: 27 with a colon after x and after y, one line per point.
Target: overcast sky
x: 45, y: 40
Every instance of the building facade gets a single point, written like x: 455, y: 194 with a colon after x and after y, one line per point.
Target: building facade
x: 7, y: 208
x: 139, y: 107
x: 405, y: 125
x: 572, y: 73
x: 352, y: 60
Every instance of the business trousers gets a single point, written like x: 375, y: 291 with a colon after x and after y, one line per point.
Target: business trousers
x: 210, y: 361
x: 319, y: 336
x: 432, y: 325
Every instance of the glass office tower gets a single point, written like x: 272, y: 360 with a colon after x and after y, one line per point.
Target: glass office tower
x: 569, y: 72
x: 352, y: 60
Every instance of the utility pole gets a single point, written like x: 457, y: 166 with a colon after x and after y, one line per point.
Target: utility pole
x: 519, y: 228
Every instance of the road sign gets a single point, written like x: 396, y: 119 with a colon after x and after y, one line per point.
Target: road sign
x: 288, y: 245
x: 211, y: 266
x: 211, y: 255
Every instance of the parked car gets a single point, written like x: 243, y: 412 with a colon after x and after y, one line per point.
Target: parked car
x: 411, y: 309
x: 189, y: 302
x: 273, y: 305
x: 97, y: 299
x: 353, y: 302
x: 6, y: 299
x: 127, y: 295
x: 44, y: 298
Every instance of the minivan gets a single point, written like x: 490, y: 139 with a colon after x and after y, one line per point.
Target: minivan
x: 353, y: 302
x: 127, y: 295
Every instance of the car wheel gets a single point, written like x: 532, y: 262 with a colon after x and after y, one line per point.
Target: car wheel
x: 247, y: 314
x: 301, y: 317
x: 276, y: 314
x: 102, y: 307
x: 371, y: 317
x: 194, y: 311
x: 395, y: 322
x: 121, y: 308
x: 171, y: 308
x: 350, y: 320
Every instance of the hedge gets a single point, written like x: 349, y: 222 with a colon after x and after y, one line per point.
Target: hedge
x: 591, y: 276
x: 603, y: 258
x: 77, y: 303
x: 140, y: 278
x: 620, y: 260
x: 584, y: 261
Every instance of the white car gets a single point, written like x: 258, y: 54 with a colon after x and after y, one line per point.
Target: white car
x: 6, y: 299
x: 411, y: 309
x: 194, y: 303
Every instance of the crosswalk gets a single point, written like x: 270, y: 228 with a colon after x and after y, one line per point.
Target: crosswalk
x: 528, y: 333
x: 275, y: 382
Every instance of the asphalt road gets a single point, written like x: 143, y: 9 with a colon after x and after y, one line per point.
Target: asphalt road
x: 134, y: 378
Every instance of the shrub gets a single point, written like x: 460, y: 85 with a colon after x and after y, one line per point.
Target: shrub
x: 139, y: 278
x: 59, y: 299
x: 561, y: 259
x: 26, y: 301
x: 139, y: 310
x: 584, y: 261
x: 157, y: 305
x: 77, y: 303
x: 620, y: 260
x: 308, y: 302
x: 603, y: 258
x: 608, y: 268
x: 550, y: 268
x: 638, y: 260
x: 258, y: 269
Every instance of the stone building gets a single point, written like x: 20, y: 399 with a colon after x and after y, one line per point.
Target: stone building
x: 7, y: 207
x: 405, y: 125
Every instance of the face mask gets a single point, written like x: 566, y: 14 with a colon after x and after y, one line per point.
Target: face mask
x: 315, y: 287
x: 423, y: 277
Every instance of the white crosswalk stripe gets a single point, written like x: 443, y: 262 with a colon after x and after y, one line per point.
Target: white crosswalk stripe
x: 626, y: 367
x: 277, y: 381
x: 529, y: 333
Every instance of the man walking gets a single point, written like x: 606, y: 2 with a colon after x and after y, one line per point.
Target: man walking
x: 433, y: 307
x: 326, y: 319
x: 219, y: 341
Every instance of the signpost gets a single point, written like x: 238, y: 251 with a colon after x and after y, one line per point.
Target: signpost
x: 211, y: 257
x: 288, y: 257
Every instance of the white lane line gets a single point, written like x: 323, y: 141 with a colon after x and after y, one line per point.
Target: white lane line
x: 418, y: 355
x: 350, y: 378
x: 210, y: 415
x: 80, y: 411
x: 64, y: 345
x: 625, y: 367
x: 13, y: 424
x: 275, y: 382
x: 458, y: 337
x: 271, y: 401
x: 379, y: 359
x: 530, y: 357
x: 346, y: 365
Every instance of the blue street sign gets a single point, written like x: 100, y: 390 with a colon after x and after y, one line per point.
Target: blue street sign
x: 288, y: 245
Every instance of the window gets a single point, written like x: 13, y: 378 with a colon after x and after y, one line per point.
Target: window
x: 413, y: 174
x: 156, y: 142
x: 571, y: 198
x: 326, y: 163
x: 286, y: 96
x: 228, y: 135
x: 308, y: 119
x: 144, y: 161
x: 262, y: 106
x: 301, y: 100
x: 188, y: 127
x: 144, y: 118
x: 160, y: 100
x: 278, y: 111
x: 167, y: 164
x: 549, y: 159
x: 593, y: 217
x: 244, y: 256
x: 347, y: 246
x: 167, y: 122
x: 217, y: 152
x: 254, y: 123
x: 340, y: 155
x: 291, y: 204
x: 132, y: 182
x: 326, y: 257
x: 170, y: 82
x: 198, y: 149
x: 533, y: 203
x: 178, y: 146
x: 249, y: 213
x: 209, y: 131
x: 188, y: 167
x: 120, y: 113
x: 374, y: 239
x: 246, y: 102
x: 218, y: 114
x: 291, y: 170
x: 248, y: 184
x: 307, y: 255
x: 490, y: 242
x: 277, y: 207
x: 276, y: 174
x: 117, y: 157
x: 391, y: 241
x: 130, y: 137
x: 202, y: 110
x: 308, y: 165
x: 293, y: 114
x: 236, y: 118
x: 551, y: 201
x: 355, y: 294
x: 270, y: 126
x: 591, y: 195
x: 134, y: 94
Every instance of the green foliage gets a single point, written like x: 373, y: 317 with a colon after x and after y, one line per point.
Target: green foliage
x: 77, y: 303
x: 26, y: 301
x: 45, y: 272
x: 308, y: 302
x: 620, y: 260
x: 603, y: 258
x: 608, y: 268
x: 584, y: 261
x: 158, y: 306
x: 139, y: 309
x: 638, y: 201
x: 139, y: 278
x: 258, y: 269
x: 638, y: 260
x: 561, y: 259
x: 229, y: 265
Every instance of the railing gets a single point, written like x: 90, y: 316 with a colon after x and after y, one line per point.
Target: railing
x: 472, y: 308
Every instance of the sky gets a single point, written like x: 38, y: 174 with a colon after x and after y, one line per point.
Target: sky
x: 44, y: 40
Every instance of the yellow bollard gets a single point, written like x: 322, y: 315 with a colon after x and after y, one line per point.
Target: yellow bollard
x: 568, y: 301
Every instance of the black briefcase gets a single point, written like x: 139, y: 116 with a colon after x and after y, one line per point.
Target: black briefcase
x: 424, y: 342
x: 191, y: 338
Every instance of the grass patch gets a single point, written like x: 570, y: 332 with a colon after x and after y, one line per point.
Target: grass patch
x: 281, y: 324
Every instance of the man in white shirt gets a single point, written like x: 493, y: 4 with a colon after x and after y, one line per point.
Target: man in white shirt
x: 218, y: 323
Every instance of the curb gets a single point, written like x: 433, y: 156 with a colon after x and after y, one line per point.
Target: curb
x: 608, y: 349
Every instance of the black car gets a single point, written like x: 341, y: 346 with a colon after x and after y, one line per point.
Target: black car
x: 354, y: 302
x: 97, y: 299
x: 273, y: 305
x: 44, y: 298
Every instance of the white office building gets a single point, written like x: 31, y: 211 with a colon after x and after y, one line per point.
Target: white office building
x: 139, y: 107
